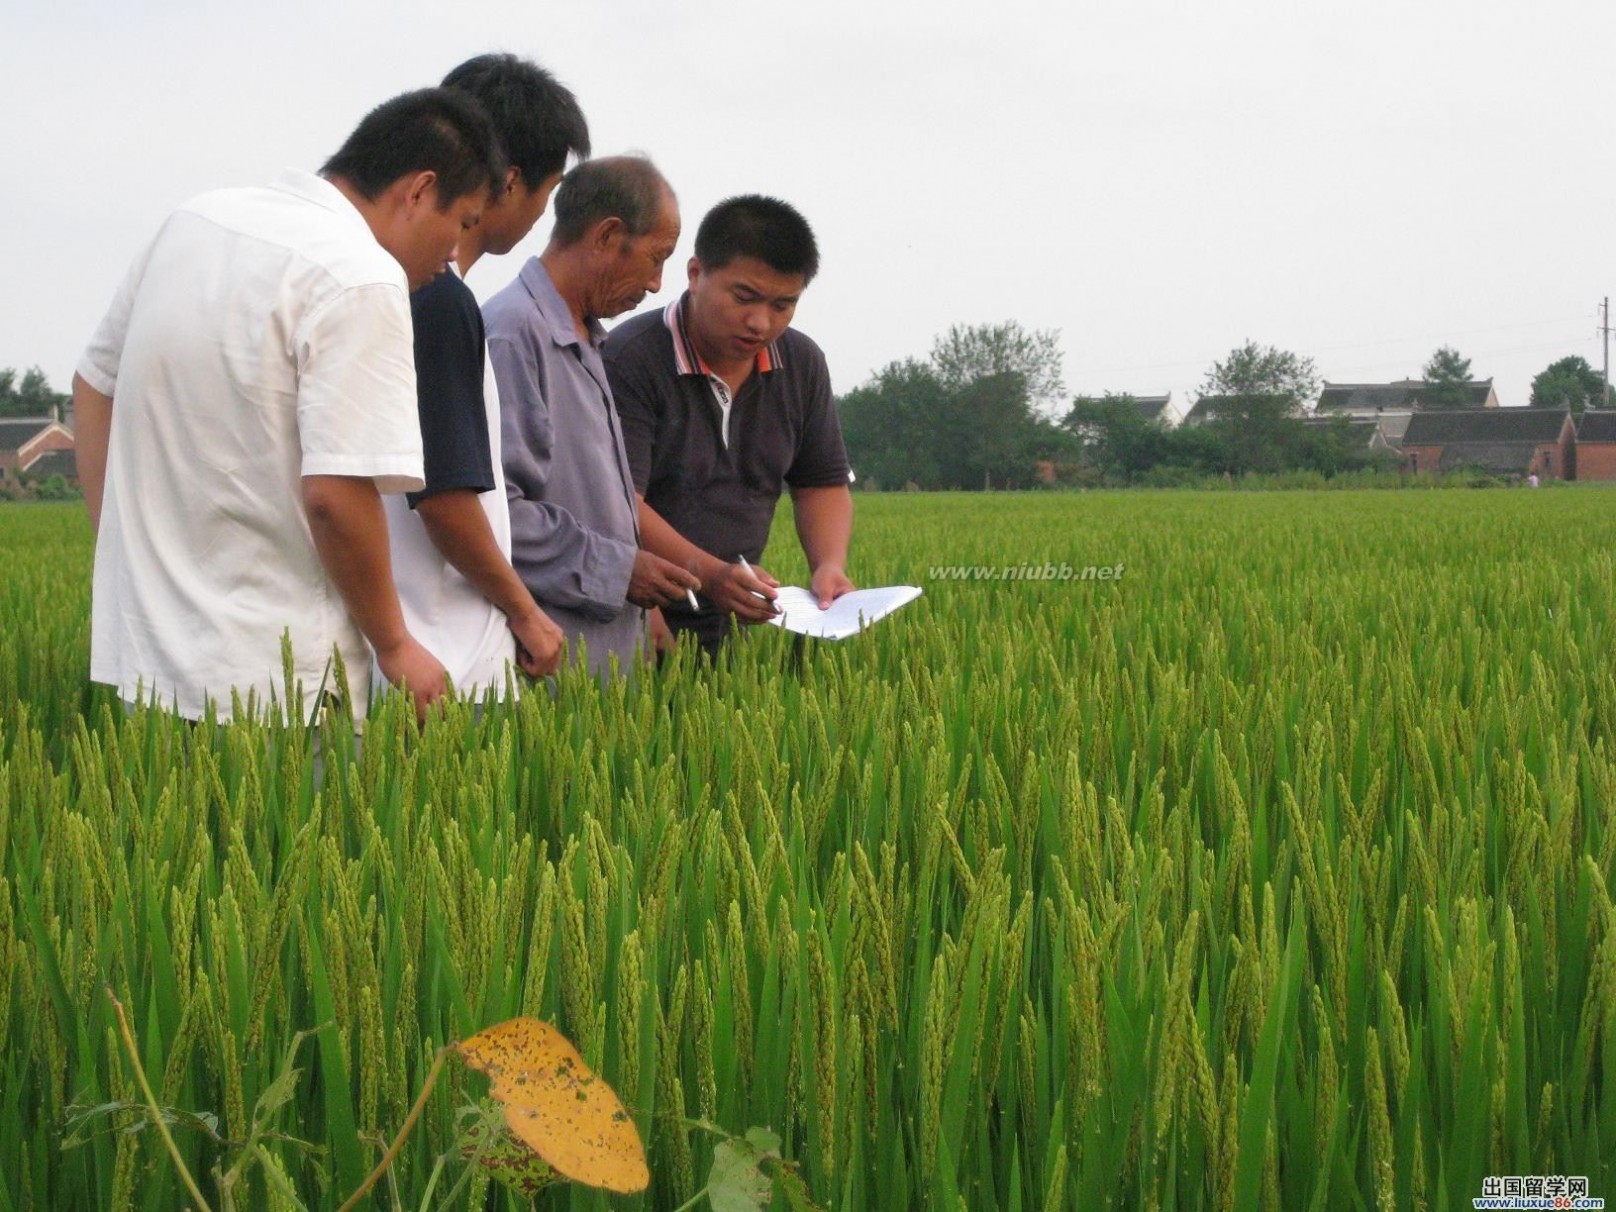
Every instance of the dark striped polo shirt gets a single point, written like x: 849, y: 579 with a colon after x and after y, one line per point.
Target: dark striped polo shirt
x: 783, y: 431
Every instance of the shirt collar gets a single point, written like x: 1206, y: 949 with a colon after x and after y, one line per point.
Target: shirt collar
x: 685, y: 358
x: 557, y: 315
x: 321, y: 192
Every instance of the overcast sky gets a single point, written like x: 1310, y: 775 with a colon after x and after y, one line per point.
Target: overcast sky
x: 1358, y: 182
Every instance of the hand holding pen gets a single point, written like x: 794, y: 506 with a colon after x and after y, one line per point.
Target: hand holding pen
x: 746, y: 592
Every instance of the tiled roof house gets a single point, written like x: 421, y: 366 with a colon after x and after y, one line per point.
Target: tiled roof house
x: 1596, y: 445
x: 1159, y: 409
x: 1391, y: 404
x: 1502, y: 441
x: 26, y: 440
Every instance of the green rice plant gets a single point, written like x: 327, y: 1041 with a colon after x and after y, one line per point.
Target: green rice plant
x: 1277, y: 873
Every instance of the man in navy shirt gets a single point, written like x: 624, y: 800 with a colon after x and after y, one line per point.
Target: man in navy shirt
x: 452, y: 540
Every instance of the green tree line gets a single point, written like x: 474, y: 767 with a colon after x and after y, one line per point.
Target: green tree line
x: 29, y: 395
x: 986, y: 410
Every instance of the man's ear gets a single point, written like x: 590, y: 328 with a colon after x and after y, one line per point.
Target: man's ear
x: 513, y: 177
x: 693, y: 271
x: 607, y: 231
x: 421, y: 189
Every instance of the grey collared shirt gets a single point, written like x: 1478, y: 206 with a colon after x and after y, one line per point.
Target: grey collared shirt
x: 574, y: 521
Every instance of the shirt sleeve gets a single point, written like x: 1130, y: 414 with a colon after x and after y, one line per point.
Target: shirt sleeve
x: 634, y: 395
x: 559, y: 560
x: 357, y: 413
x: 449, y: 388
x: 100, y: 362
x: 821, y: 458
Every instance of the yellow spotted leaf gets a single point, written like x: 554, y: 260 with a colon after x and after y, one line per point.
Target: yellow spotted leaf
x: 556, y: 1106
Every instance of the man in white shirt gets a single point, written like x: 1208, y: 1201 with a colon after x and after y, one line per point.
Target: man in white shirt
x: 451, y: 541
x: 248, y: 396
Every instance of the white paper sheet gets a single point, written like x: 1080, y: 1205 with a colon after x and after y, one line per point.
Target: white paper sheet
x: 848, y: 614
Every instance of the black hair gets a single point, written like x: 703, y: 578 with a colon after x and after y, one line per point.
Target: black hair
x: 767, y: 229
x: 617, y: 187
x: 431, y: 130
x: 536, y: 118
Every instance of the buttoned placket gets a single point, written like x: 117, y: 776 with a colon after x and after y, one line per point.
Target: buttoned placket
x: 726, y: 404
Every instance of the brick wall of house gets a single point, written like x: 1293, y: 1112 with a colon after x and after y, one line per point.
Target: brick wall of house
x: 1596, y: 460
x: 1551, y: 460
x: 1422, y: 459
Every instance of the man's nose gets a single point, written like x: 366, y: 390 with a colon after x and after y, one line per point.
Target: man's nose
x: 655, y: 284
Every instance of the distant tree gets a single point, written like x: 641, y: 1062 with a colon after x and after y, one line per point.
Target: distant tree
x: 966, y: 353
x: 33, y: 397
x: 1262, y: 433
x: 1114, y: 437
x: 891, y: 425
x: 1447, y: 380
x: 1256, y: 400
x: 968, y: 426
x: 1569, y: 383
x: 1206, y: 448
x: 1336, y: 446
x: 992, y: 437
x: 1263, y: 370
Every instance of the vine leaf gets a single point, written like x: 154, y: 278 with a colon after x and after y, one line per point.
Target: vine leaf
x: 506, y: 1158
x: 737, y: 1182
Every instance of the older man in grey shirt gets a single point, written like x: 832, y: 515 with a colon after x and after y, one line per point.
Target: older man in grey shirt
x: 574, y: 519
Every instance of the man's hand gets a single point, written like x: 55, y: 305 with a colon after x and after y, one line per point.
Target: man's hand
x: 747, y: 594
x: 829, y: 583
x: 658, y: 582
x: 539, y: 643
x: 662, y: 641
x: 411, y: 668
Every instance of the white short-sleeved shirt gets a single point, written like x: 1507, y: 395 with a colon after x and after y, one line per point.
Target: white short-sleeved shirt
x: 264, y: 336
x: 442, y: 609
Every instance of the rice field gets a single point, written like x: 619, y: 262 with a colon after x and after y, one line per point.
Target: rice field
x: 1274, y: 871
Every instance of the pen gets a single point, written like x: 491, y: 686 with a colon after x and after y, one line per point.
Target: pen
x: 750, y: 573
x: 690, y: 596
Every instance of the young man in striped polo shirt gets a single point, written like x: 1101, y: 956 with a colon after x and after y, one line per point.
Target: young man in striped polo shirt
x: 724, y: 405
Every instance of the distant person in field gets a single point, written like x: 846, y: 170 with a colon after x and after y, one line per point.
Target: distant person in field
x: 245, y: 402
x: 574, y: 527
x: 724, y: 405
x: 451, y: 541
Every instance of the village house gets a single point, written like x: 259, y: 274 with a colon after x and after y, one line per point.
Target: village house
x: 1596, y: 445
x: 1391, y: 405
x: 25, y: 441
x: 1159, y: 409
x: 1208, y: 408
x: 1511, y: 442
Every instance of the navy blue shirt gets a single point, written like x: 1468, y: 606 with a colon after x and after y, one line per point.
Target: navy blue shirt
x: 449, y: 345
